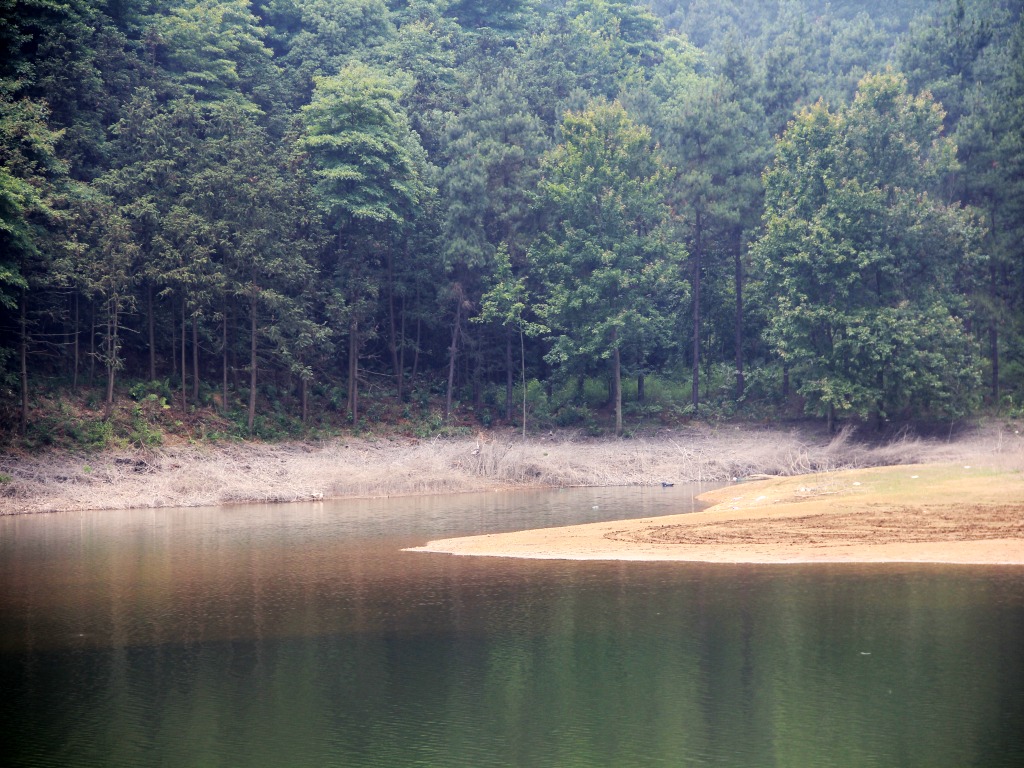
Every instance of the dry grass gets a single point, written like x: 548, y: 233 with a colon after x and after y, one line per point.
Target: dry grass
x: 194, y: 476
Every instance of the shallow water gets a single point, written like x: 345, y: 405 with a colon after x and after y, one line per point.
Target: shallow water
x: 302, y: 635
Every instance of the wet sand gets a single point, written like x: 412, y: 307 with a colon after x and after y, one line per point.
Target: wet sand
x: 904, y: 514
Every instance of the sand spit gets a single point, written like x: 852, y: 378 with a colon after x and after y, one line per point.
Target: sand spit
x: 947, y: 513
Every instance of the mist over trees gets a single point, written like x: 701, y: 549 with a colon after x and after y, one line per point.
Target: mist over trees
x: 310, y: 213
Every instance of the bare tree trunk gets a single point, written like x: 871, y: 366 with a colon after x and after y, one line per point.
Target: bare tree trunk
x: 252, y: 365
x: 640, y: 381
x: 195, y: 359
x: 74, y: 375
x: 617, y: 383
x: 174, y: 344
x: 92, y: 342
x: 452, y: 351
x: 184, y: 361
x: 738, y: 266
x: 508, y: 374
x: 304, y: 385
x: 416, y: 352
x: 393, y: 341
x: 522, y: 360
x: 476, y: 345
x: 401, y: 355
x: 23, y: 321
x: 993, y: 332
x: 112, y: 352
x: 152, y: 334
x: 353, y: 370
x: 695, y: 280
x: 993, y: 342
x: 224, y: 358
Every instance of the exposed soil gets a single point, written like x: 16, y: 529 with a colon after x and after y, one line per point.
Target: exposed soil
x: 210, y: 474
x: 876, y: 525
x: 918, y: 513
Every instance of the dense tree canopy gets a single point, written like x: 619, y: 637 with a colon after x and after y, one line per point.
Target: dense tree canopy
x: 861, y: 263
x: 607, y: 266
x: 297, y: 214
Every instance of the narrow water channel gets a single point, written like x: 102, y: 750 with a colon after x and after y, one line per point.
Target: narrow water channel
x: 302, y: 635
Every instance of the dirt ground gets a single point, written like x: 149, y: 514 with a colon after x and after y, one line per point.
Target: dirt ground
x: 228, y: 473
x: 946, y: 513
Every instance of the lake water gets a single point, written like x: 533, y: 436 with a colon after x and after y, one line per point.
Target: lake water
x: 301, y: 635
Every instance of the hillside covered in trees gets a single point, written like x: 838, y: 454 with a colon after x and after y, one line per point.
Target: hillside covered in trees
x: 271, y: 217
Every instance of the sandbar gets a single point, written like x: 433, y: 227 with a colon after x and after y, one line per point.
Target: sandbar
x: 956, y: 514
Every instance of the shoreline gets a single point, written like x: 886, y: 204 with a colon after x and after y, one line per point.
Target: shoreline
x: 233, y: 473
x: 932, y: 513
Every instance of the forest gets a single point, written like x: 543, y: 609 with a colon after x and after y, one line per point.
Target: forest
x: 271, y: 218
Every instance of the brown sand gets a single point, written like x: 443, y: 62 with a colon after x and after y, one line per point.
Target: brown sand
x: 911, y: 513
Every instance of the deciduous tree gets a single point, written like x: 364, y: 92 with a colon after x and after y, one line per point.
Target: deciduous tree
x: 861, y: 265
x: 608, y: 266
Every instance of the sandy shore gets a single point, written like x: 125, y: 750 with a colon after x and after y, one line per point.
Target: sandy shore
x: 945, y: 513
x: 228, y: 473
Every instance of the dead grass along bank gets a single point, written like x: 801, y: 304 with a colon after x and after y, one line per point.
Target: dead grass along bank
x: 249, y: 472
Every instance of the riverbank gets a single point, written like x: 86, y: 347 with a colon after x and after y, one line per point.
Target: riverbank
x: 200, y: 475
x: 947, y: 513
x: 211, y: 474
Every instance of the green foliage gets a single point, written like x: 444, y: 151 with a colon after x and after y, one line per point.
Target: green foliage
x: 364, y: 151
x: 328, y: 197
x: 608, y: 267
x: 213, y: 48
x: 860, y: 264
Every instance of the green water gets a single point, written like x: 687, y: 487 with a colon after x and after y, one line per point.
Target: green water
x: 303, y: 636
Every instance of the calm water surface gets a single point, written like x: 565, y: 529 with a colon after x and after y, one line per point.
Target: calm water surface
x: 303, y: 636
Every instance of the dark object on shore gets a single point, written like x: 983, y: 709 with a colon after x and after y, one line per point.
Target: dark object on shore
x: 666, y: 485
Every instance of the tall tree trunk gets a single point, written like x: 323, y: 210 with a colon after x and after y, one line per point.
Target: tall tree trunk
x: 695, y: 279
x: 993, y: 342
x: 452, y: 351
x: 224, y: 358
x: 353, y: 370
x: 195, y: 359
x: 393, y: 341
x: 152, y: 333
x: 23, y: 322
x: 617, y: 383
x: 785, y: 381
x: 738, y: 266
x: 252, y: 364
x: 112, y: 352
x: 304, y: 385
x: 184, y: 360
x: 993, y: 333
x: 174, y: 344
x: 508, y: 374
x: 640, y: 394
x: 478, y: 371
x: 522, y: 362
x: 416, y: 352
x: 74, y: 376
x: 92, y: 342
x: 401, y: 356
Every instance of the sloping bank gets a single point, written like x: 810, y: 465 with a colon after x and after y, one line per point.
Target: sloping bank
x: 948, y: 513
x: 205, y: 474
